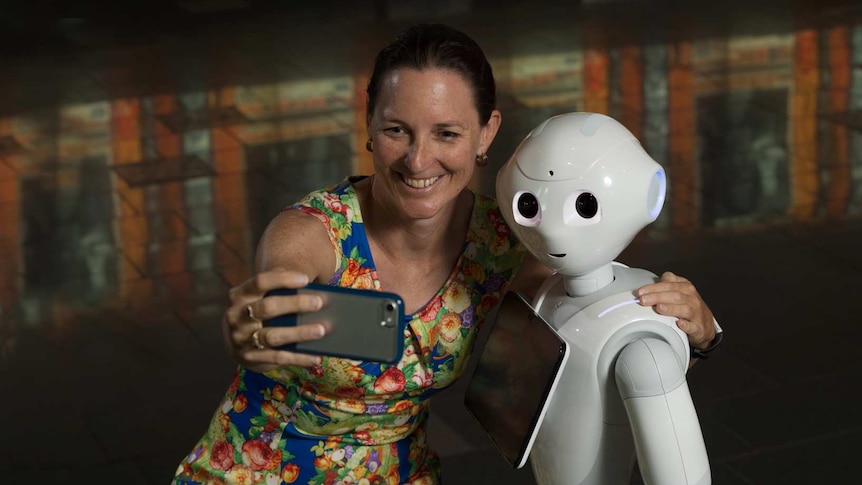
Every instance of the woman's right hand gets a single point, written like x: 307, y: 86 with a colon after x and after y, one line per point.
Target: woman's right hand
x: 242, y: 326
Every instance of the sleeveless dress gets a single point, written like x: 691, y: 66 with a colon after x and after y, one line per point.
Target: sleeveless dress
x: 354, y: 422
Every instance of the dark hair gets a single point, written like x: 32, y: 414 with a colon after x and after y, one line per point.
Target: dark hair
x: 435, y: 45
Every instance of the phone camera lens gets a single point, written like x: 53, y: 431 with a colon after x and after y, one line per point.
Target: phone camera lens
x: 390, y: 306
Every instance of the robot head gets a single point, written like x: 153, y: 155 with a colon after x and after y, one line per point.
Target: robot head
x: 578, y: 189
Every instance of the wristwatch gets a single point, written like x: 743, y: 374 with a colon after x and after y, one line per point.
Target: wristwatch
x: 704, y: 353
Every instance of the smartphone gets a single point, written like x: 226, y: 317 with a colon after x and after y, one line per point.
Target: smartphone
x: 360, y: 324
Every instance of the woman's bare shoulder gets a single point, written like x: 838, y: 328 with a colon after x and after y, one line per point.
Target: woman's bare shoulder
x: 298, y: 241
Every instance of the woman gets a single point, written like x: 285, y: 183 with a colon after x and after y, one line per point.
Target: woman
x: 414, y: 228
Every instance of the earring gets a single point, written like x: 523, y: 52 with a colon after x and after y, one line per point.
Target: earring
x: 482, y: 159
x: 369, y: 145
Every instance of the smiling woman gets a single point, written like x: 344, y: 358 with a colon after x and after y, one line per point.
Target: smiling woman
x: 427, y: 137
x: 413, y: 228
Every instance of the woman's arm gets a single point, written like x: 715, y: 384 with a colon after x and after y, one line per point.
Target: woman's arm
x: 294, y: 250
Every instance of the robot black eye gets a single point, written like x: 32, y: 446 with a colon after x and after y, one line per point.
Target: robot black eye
x: 528, y: 206
x: 587, y: 205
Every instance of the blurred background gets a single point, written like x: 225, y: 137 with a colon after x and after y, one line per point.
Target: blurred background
x: 144, y: 146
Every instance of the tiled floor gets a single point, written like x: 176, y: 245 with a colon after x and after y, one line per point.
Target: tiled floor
x: 113, y: 275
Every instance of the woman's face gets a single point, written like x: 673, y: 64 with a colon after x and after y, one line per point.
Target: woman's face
x: 426, y: 136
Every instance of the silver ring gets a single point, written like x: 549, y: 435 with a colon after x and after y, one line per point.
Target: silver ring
x: 255, y: 340
x: 251, y: 313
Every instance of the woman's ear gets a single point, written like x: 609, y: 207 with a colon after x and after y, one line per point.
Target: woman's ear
x: 489, y: 131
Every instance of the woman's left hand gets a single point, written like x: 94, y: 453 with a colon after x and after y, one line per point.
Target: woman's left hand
x: 677, y: 297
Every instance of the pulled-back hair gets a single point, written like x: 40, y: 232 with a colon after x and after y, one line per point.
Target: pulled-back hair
x: 437, y: 46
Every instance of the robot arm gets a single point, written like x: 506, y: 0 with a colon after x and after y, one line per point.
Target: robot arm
x: 666, y: 431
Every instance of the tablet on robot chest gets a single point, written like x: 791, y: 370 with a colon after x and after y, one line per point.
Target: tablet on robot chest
x: 515, y: 378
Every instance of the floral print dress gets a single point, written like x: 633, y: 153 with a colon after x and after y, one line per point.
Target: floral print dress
x: 354, y: 422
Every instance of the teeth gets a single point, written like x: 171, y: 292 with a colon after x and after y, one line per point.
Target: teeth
x: 420, y: 183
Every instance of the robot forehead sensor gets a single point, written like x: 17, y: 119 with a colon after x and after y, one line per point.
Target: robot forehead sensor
x: 555, y: 171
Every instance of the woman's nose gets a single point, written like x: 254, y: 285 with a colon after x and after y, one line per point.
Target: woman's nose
x: 419, y: 154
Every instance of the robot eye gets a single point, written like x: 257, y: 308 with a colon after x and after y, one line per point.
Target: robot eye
x: 587, y: 205
x: 581, y: 209
x: 526, y: 208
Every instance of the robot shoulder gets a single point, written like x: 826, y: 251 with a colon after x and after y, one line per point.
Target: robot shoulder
x: 626, y: 278
x: 624, y: 308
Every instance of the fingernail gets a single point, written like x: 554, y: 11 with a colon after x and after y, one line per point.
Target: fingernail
x: 301, y: 279
x: 316, y: 302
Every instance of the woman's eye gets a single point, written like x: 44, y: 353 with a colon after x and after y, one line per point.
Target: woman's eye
x: 449, y: 134
x: 395, y: 130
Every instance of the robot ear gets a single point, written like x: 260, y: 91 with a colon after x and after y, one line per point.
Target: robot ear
x: 656, y: 194
x: 526, y: 209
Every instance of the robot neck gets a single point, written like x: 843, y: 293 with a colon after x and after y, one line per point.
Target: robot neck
x: 589, y: 283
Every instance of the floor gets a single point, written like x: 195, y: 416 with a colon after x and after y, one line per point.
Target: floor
x: 141, y: 156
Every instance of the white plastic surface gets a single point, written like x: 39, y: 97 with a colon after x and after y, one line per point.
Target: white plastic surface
x: 544, y: 194
x: 664, y: 423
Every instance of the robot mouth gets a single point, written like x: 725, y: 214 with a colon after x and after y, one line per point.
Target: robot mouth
x: 557, y: 255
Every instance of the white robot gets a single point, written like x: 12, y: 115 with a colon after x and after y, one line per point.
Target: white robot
x: 576, y: 191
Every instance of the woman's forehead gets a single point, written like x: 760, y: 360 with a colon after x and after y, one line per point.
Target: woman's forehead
x: 438, y: 91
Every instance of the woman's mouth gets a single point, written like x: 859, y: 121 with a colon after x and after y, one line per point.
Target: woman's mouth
x: 420, y: 183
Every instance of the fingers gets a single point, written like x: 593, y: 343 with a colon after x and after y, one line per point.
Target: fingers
x: 271, y: 337
x: 694, y: 320
x: 258, y: 350
x: 676, y: 296
x: 278, y: 336
x: 273, y: 306
x: 683, y: 310
x: 243, y: 328
x: 255, y: 287
x: 265, y: 360
x: 693, y: 330
x: 689, y: 319
x: 669, y: 276
x: 245, y: 299
x: 668, y: 282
